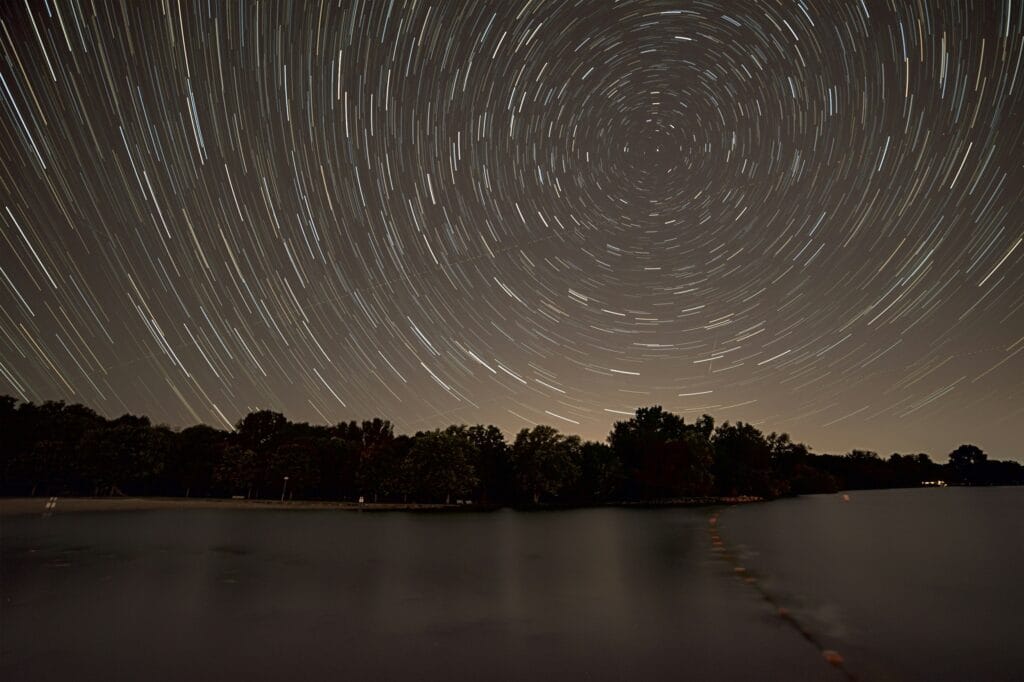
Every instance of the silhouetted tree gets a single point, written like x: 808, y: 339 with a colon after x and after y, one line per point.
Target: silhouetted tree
x: 866, y: 470
x: 195, y: 454
x: 442, y: 462
x: 57, y: 448
x: 393, y: 471
x: 601, y: 473
x: 544, y: 462
x: 1002, y: 473
x: 743, y: 460
x: 376, y: 436
x: 661, y: 456
x: 794, y: 470
x: 261, y: 431
x: 493, y: 466
x: 912, y: 470
x: 129, y: 455
x: 238, y: 471
x: 295, y: 459
x: 967, y: 463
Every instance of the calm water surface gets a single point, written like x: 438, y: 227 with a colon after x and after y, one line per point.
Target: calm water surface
x: 924, y: 584
x: 905, y: 584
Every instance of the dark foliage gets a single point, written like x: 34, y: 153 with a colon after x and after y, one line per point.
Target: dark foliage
x: 60, y: 449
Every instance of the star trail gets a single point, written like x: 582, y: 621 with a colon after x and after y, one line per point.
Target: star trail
x: 804, y: 215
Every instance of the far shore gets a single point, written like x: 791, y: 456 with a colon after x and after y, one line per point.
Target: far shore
x: 28, y: 506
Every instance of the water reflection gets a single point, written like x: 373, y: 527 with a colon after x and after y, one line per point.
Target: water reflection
x: 598, y: 594
x: 905, y: 584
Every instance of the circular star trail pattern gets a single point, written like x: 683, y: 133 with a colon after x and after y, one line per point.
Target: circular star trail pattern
x: 803, y: 215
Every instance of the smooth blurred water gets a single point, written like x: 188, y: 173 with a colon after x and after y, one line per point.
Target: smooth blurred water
x: 602, y: 594
x: 592, y: 594
x: 924, y: 584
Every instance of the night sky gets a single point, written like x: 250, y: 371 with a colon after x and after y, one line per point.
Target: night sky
x: 806, y: 215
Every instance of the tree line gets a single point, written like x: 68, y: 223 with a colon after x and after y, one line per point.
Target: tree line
x: 68, y: 449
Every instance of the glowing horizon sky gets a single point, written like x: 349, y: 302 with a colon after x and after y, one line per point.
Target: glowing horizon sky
x: 805, y: 217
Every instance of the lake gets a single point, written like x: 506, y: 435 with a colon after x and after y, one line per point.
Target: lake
x: 923, y: 584
x: 907, y: 584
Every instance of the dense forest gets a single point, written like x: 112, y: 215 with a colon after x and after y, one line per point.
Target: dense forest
x: 60, y: 449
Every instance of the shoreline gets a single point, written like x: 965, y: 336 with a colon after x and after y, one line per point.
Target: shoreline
x: 29, y: 506
x: 24, y: 506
